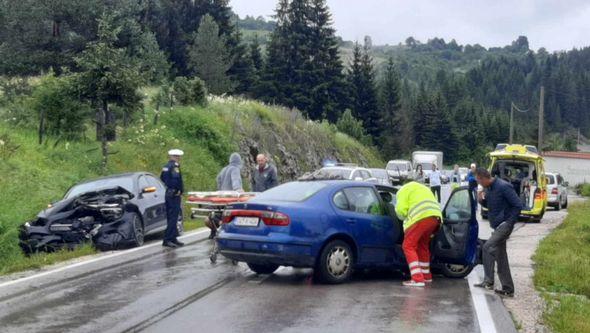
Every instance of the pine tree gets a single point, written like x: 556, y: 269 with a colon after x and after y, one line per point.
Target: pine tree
x: 389, y: 109
x: 209, y: 58
x: 363, y: 95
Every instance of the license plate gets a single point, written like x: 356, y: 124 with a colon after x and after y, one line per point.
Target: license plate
x: 246, y: 221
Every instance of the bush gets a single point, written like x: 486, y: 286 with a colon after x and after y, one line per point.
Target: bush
x: 188, y: 92
x: 585, y: 190
x: 58, y: 107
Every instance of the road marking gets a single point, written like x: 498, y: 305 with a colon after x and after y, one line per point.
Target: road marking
x: 108, y: 256
x: 482, y: 310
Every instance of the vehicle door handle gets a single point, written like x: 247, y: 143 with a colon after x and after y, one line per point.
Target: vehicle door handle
x: 351, y: 221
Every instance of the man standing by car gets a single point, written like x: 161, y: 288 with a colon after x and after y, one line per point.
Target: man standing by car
x: 422, y: 215
x: 435, y: 182
x: 503, y: 207
x: 264, y: 176
x: 228, y: 179
x: 172, y: 178
x: 471, y: 180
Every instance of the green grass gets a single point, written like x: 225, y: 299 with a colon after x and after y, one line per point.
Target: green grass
x: 35, y: 175
x: 563, y: 272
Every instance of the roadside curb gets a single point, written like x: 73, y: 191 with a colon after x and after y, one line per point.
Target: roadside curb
x: 491, y: 313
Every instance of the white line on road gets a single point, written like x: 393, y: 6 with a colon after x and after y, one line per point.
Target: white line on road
x: 86, y: 262
x: 482, y: 310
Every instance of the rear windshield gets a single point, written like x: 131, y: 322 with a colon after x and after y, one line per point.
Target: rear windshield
x: 335, y: 172
x: 551, y: 179
x: 379, y: 173
x: 293, y: 192
x: 397, y: 166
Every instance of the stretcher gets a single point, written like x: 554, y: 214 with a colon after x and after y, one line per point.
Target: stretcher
x: 211, y: 205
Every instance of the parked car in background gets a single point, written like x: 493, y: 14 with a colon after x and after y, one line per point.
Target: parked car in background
x: 111, y: 212
x: 381, y: 175
x: 346, y: 171
x: 556, y: 191
x: 400, y: 171
x: 336, y: 227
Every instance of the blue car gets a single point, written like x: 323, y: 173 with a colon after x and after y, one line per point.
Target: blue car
x: 338, y: 226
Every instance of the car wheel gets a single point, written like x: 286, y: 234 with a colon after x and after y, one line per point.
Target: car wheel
x: 456, y: 271
x: 565, y: 203
x: 138, y: 236
x: 263, y: 269
x: 335, y: 263
x: 558, y: 206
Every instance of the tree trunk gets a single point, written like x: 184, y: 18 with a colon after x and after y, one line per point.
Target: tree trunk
x: 103, y: 135
x: 41, y: 126
x: 99, y: 122
x: 110, y: 125
x: 157, y: 114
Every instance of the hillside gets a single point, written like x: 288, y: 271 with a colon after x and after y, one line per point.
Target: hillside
x: 34, y: 175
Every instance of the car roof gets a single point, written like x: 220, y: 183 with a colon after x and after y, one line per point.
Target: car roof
x: 344, y: 168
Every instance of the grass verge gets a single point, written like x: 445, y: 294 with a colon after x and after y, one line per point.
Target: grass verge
x: 562, y: 272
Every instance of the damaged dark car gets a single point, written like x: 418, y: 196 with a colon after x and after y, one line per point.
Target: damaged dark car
x: 112, y: 213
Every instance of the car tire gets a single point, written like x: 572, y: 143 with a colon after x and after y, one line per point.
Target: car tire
x: 138, y: 235
x: 335, y: 263
x: 263, y: 268
x: 558, y: 206
x: 455, y: 271
x: 565, y: 203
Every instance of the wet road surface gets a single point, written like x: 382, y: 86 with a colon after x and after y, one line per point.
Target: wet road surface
x: 181, y: 291
x: 161, y: 290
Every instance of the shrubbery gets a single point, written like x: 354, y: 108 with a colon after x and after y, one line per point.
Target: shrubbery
x: 189, y: 91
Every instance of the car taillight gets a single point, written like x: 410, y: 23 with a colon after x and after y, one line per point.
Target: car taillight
x: 267, y: 217
x: 539, y: 194
x: 554, y: 190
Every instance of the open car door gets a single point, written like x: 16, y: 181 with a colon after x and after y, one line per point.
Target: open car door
x: 456, y: 241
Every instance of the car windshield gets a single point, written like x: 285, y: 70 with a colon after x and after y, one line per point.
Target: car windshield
x: 379, y: 173
x: 396, y: 166
x: 426, y: 166
x: 336, y: 172
x: 293, y: 192
x: 550, y: 179
x: 124, y: 182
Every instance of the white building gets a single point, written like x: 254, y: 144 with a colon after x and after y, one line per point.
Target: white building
x: 574, y: 167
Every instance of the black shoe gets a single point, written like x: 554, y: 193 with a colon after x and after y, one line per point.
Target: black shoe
x: 484, y: 285
x: 169, y: 244
x: 504, y: 293
x: 212, y: 234
x: 178, y: 243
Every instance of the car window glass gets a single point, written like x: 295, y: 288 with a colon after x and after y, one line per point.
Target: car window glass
x: 550, y: 179
x: 355, y: 175
x: 365, y: 174
x: 340, y: 201
x: 363, y: 200
x: 292, y: 192
x: 154, y: 182
x: 459, y: 206
x: 124, y: 182
x: 143, y: 183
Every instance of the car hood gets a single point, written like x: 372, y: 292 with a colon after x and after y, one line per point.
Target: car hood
x: 59, y: 206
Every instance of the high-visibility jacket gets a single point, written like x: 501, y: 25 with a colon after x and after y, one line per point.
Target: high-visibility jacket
x: 415, y: 202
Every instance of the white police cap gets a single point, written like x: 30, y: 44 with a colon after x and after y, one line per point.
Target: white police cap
x: 175, y: 152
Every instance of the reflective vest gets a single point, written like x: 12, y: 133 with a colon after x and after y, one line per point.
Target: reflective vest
x: 415, y: 202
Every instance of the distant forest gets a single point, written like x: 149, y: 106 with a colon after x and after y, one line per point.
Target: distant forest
x: 430, y: 95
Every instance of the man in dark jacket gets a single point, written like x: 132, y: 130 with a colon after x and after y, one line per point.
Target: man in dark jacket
x: 172, y: 178
x: 264, y: 176
x: 504, y: 208
x: 228, y: 179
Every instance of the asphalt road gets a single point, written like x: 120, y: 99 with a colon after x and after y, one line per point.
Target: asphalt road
x: 162, y: 290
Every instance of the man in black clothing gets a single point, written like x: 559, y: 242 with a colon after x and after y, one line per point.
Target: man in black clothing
x: 172, y: 178
x: 504, y: 208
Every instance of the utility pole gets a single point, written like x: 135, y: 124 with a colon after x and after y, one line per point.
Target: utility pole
x: 541, y: 118
x: 511, y: 122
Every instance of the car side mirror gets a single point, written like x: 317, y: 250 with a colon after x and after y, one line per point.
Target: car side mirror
x: 150, y: 189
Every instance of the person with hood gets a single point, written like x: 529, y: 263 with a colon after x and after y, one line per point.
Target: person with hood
x: 228, y: 179
x: 264, y: 176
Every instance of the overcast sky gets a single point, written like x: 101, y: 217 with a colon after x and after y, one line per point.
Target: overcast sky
x: 555, y: 25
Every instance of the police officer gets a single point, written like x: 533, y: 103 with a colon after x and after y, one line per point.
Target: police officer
x: 172, y: 178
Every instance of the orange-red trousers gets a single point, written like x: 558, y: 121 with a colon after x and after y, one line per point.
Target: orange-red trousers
x: 416, y: 247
